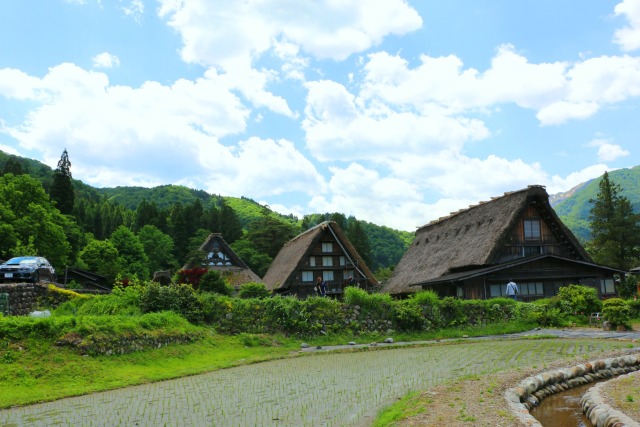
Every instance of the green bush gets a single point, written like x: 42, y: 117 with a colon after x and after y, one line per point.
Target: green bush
x: 634, y: 309
x: 253, y: 290
x: 212, y: 281
x: 616, y: 312
x: 179, y: 298
x: 579, y: 299
x: 123, y: 300
x: 452, y: 312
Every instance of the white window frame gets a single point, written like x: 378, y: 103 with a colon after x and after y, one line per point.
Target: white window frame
x: 327, y: 261
x: 307, y: 276
x: 327, y: 247
x: 312, y: 261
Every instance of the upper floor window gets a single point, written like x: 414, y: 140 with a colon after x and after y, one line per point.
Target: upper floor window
x: 312, y: 261
x: 327, y: 261
x: 342, y: 261
x: 327, y: 247
x: 532, y: 229
x: 307, y: 276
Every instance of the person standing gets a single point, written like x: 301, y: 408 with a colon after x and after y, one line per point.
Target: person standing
x: 512, y: 289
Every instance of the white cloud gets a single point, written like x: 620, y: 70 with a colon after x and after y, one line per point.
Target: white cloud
x: 106, y: 60
x: 134, y: 9
x: 16, y: 84
x: 259, y: 168
x: 558, y: 184
x: 215, y: 34
x: 9, y: 150
x: 607, y: 151
x: 628, y: 37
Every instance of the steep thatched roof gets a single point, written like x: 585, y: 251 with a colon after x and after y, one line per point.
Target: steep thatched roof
x: 228, y: 263
x: 300, y: 247
x: 470, y: 238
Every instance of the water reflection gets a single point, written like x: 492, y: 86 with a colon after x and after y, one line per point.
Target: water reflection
x: 563, y: 409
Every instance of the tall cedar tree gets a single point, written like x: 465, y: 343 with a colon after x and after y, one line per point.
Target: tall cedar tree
x: 61, y: 191
x: 359, y: 240
x: 615, y: 229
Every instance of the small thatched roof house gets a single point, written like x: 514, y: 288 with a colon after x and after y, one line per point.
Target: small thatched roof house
x: 474, y: 252
x: 323, y: 251
x: 219, y: 256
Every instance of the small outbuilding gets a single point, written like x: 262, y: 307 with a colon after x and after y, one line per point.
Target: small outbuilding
x: 322, y: 251
x: 475, y: 252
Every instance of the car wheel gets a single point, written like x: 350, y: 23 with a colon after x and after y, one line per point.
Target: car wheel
x: 36, y: 277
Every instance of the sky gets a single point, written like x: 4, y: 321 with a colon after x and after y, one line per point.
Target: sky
x: 397, y: 112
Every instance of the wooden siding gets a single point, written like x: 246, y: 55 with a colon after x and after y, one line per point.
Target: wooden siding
x: 517, y: 246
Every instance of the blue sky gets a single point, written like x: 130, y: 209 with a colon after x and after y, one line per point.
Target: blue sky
x: 397, y: 112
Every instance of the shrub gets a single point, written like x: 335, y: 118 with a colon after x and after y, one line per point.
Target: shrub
x: 253, y: 290
x: 634, y: 309
x: 616, y: 311
x: 212, y: 281
x: 452, y: 312
x: 580, y: 299
x: 179, y: 298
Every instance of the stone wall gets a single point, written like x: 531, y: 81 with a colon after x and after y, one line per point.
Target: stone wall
x: 23, y: 297
x: 602, y: 414
x: 532, y: 390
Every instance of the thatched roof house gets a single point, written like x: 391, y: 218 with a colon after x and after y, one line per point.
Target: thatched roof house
x: 218, y: 255
x: 324, y: 251
x: 474, y: 252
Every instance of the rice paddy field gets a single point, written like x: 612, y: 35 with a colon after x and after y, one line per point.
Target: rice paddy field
x: 322, y: 389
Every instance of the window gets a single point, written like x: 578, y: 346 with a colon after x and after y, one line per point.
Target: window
x: 342, y: 261
x: 532, y: 229
x: 531, y: 250
x: 327, y: 247
x: 460, y: 292
x: 607, y: 286
x: 312, y: 261
x: 531, y: 288
x: 327, y: 275
x: 327, y: 261
x: 495, y: 291
x: 307, y: 276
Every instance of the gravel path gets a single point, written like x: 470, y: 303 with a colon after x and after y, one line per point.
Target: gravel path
x: 328, y: 389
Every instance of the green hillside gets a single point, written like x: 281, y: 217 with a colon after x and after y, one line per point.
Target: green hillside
x: 574, y: 210
x: 387, y: 245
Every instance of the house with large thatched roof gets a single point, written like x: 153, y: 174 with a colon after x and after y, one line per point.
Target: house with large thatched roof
x: 218, y: 255
x: 475, y: 252
x: 322, y: 251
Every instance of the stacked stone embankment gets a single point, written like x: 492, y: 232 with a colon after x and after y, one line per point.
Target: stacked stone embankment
x: 532, y: 390
x: 601, y: 413
x: 23, y: 297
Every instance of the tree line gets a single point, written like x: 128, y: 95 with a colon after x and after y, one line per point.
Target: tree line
x: 75, y: 227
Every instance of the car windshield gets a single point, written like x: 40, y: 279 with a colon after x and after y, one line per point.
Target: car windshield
x: 22, y: 260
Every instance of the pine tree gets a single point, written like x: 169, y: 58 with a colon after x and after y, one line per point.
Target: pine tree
x: 615, y: 229
x: 61, y: 191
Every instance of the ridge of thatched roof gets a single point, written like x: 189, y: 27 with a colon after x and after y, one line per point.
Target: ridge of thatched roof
x: 296, y: 249
x: 468, y: 238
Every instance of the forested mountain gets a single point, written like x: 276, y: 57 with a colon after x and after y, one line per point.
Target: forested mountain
x: 573, y: 207
x: 185, y: 216
x: 182, y: 217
